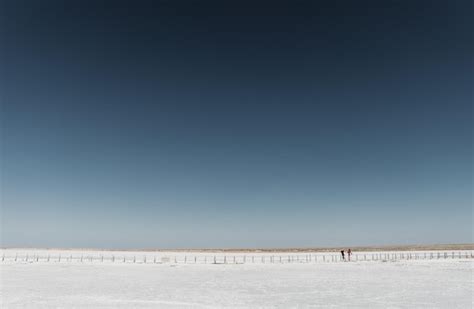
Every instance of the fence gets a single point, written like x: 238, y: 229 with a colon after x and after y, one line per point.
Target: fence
x: 235, y: 259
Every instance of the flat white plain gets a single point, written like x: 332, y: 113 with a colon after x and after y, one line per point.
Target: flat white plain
x: 414, y: 283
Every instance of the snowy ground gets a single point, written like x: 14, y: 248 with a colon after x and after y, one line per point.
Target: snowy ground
x: 415, y: 283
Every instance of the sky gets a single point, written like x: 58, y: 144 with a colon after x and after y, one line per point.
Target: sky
x: 235, y: 124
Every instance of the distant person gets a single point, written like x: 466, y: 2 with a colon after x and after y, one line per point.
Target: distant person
x: 349, y: 253
x: 343, y: 257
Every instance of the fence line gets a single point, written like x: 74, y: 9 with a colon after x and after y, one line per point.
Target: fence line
x: 237, y: 259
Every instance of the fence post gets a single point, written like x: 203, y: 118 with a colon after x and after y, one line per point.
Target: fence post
x: 215, y: 262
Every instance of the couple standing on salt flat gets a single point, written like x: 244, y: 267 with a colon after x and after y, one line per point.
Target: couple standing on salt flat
x: 349, y: 253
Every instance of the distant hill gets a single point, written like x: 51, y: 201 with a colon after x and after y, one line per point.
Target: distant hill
x: 308, y: 249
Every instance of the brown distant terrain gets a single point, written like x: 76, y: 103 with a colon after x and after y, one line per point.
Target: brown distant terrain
x: 337, y: 249
x: 308, y: 249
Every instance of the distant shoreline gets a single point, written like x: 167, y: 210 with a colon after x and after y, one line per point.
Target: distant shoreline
x: 289, y: 250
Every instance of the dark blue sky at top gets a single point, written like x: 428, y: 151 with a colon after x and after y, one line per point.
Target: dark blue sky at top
x: 244, y: 124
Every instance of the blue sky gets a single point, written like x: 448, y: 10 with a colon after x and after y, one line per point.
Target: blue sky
x: 183, y: 125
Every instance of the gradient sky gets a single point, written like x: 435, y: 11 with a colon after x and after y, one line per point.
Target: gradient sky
x: 132, y: 124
